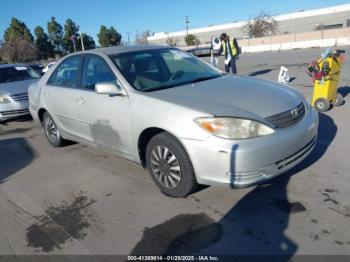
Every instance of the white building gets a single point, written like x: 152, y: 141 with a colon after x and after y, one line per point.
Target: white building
x: 302, y: 21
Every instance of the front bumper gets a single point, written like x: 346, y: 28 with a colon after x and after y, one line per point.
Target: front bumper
x: 244, y: 163
x: 13, y: 110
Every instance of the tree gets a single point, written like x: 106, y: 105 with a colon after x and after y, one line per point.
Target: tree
x: 70, y: 36
x: 18, y: 50
x: 55, y: 32
x: 114, y: 37
x: 18, y: 29
x: 108, y: 37
x: 191, y: 40
x: 172, y: 41
x: 42, y: 43
x: 103, y: 36
x: 142, y: 40
x: 261, y: 25
x: 89, y: 42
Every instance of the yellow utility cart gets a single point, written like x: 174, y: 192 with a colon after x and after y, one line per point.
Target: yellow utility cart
x: 326, y: 73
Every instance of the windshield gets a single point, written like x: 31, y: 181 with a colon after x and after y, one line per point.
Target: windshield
x: 17, y: 73
x: 151, y: 70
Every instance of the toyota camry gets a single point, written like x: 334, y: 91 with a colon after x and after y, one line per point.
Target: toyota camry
x: 184, y: 120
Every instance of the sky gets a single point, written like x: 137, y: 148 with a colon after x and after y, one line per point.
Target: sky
x: 140, y: 15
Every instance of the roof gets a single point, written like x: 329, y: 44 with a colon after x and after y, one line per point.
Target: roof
x: 10, y: 65
x: 123, y: 49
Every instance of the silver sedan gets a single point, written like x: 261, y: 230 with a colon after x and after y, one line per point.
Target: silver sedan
x: 14, y: 82
x: 184, y: 120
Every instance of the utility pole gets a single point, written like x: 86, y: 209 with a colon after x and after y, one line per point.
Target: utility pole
x: 187, y: 21
x: 137, y: 36
x: 128, y: 34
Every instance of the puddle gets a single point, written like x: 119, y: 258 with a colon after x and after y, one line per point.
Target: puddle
x: 182, y: 234
x: 59, y: 224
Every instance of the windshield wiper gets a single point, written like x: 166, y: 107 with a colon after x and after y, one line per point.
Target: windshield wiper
x: 161, y: 87
x: 181, y: 84
x: 204, y: 78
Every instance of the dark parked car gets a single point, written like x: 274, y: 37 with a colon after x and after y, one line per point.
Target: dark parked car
x: 37, y: 67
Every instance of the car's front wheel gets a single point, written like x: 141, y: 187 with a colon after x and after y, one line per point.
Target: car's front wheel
x: 51, y: 131
x: 170, y: 166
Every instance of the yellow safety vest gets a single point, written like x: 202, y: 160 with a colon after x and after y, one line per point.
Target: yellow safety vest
x: 233, y: 48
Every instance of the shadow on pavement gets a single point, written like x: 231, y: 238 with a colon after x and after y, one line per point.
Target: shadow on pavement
x: 260, y: 72
x: 292, y: 79
x: 255, y: 225
x: 15, y: 154
x: 344, y: 90
x: 25, y: 118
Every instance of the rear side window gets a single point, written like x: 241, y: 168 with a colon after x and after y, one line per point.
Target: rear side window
x: 95, y: 70
x: 66, y: 73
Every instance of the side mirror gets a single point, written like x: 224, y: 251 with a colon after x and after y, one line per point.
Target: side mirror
x: 109, y: 88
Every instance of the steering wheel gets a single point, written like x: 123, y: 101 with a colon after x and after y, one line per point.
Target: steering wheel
x: 176, y: 75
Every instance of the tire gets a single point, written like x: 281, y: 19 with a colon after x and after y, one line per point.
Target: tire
x: 170, y: 166
x: 322, y: 104
x: 51, y: 131
x: 339, y: 100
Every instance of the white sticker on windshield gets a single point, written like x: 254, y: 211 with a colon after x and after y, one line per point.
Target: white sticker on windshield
x: 20, y: 68
x: 179, y: 54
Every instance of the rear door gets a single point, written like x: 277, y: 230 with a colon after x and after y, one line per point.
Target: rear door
x: 60, y: 94
x: 104, y: 119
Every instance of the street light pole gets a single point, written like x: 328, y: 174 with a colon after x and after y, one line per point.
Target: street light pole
x: 82, y: 42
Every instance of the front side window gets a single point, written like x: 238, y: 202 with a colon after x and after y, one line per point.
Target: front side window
x: 96, y: 70
x: 66, y: 73
x: 151, y: 70
x: 17, y: 73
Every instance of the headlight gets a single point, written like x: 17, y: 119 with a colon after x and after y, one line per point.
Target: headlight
x: 233, y: 128
x: 4, y: 100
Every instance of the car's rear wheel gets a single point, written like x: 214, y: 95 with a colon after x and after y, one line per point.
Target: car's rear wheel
x: 170, y: 166
x: 51, y: 131
x: 322, y: 104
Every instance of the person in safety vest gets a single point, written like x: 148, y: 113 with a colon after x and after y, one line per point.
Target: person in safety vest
x: 231, y: 51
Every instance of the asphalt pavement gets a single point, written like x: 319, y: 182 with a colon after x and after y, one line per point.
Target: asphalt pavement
x: 76, y: 200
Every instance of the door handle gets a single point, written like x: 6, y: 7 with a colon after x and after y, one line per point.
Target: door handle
x: 47, y: 94
x: 80, y: 101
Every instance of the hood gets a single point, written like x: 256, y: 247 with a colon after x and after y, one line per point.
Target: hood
x: 233, y: 96
x: 16, y: 87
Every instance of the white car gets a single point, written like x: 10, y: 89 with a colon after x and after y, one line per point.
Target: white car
x: 14, y: 82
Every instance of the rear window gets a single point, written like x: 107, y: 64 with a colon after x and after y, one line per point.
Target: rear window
x: 17, y: 73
